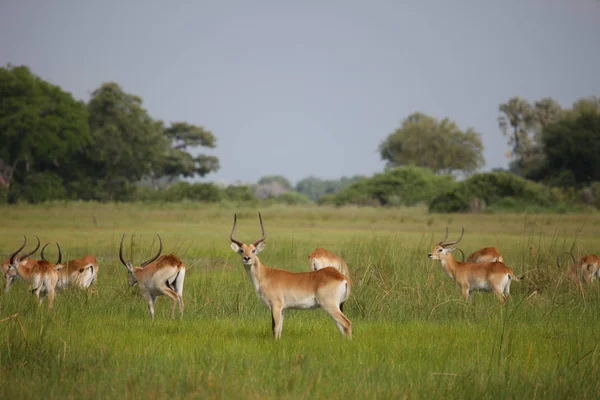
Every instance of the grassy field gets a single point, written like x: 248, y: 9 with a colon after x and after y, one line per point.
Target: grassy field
x: 413, y: 335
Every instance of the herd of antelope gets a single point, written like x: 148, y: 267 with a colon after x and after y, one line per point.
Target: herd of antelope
x: 327, y: 285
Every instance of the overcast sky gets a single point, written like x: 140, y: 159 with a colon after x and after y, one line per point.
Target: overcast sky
x: 303, y: 88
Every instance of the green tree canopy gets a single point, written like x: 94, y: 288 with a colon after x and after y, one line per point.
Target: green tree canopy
x: 40, y: 124
x: 282, y: 180
x: 523, y: 124
x: 178, y: 161
x: 438, y: 145
x: 572, y: 146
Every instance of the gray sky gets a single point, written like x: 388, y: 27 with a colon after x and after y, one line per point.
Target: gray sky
x: 312, y: 87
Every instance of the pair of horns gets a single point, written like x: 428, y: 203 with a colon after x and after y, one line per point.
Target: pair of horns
x: 255, y: 243
x: 59, y: 253
x: 13, y: 255
x: 151, y: 260
x: 443, y: 242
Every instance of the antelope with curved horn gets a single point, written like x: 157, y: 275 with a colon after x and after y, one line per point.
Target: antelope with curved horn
x: 490, y: 276
x: 9, y: 277
x: 158, y: 276
x: 42, y: 276
x: 280, y: 289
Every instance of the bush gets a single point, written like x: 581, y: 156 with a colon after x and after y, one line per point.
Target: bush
x: 39, y: 187
x: 240, y: 193
x: 400, y: 186
x: 491, y: 188
x: 206, y: 192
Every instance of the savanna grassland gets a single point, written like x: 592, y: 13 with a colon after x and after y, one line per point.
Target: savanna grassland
x: 413, y: 334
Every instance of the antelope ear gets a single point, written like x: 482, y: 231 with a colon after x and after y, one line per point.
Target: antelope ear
x: 450, y: 249
x: 260, y: 247
x: 235, y: 247
x: 16, y: 262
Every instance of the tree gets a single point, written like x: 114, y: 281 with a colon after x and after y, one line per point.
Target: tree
x: 282, y: 180
x: 40, y: 125
x: 572, y: 145
x: 127, y: 144
x: 523, y: 123
x: 438, y: 145
x: 515, y: 121
x: 178, y: 161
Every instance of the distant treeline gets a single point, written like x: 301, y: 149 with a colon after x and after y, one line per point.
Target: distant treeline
x: 54, y: 147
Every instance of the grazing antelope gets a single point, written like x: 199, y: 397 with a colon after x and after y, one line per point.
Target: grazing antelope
x: 9, y: 278
x: 485, y: 255
x: 586, y: 270
x: 279, y: 289
x: 158, y: 276
x: 490, y: 276
x: 321, y: 258
x: 81, y: 272
x: 42, y: 276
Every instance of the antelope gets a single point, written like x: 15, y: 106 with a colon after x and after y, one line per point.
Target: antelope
x: 321, y: 258
x: 9, y: 278
x: 158, y: 276
x: 42, y: 276
x: 81, y: 272
x: 587, y: 269
x: 485, y: 255
x: 280, y: 289
x: 469, y: 276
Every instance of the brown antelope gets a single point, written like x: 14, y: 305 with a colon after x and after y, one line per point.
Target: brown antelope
x: 42, y: 276
x: 81, y: 272
x: 490, y: 276
x: 279, y: 289
x: 586, y: 270
x: 485, y: 255
x: 321, y: 258
x: 9, y: 278
x: 158, y: 276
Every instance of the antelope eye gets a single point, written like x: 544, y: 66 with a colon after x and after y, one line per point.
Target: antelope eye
x: 253, y: 251
x: 440, y: 250
x: 241, y: 251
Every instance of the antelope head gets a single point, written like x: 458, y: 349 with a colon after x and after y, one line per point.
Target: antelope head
x: 130, y: 268
x: 248, y: 252
x: 443, y: 249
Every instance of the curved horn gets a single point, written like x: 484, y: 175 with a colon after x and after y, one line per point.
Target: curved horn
x: 573, y: 258
x: 157, y: 254
x: 457, y: 240
x: 445, y: 237
x: 262, y: 227
x: 34, y: 250
x: 59, y: 254
x: 463, y: 255
x: 121, y: 252
x: 42, y: 253
x: 13, y: 255
x: 233, y: 240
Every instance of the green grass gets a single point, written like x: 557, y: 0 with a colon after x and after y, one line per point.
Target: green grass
x: 414, y: 336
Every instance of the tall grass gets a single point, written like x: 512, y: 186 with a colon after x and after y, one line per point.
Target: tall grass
x: 413, y: 337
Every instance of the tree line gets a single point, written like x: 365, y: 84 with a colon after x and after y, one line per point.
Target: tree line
x: 110, y: 149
